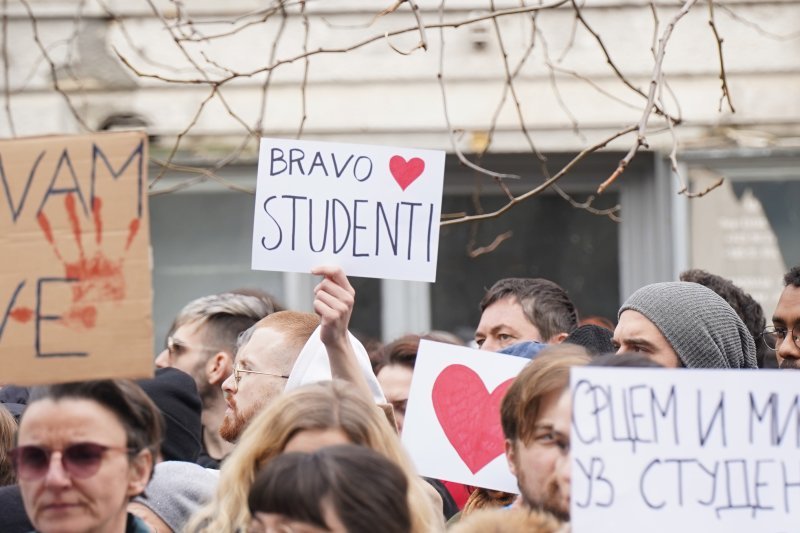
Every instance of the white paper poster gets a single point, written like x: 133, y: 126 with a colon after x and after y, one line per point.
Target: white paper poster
x: 452, y: 424
x: 685, y: 450
x: 373, y: 210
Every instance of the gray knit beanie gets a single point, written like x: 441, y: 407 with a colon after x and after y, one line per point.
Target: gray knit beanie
x: 702, y: 328
x: 177, y: 490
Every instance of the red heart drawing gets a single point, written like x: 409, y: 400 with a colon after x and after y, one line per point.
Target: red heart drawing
x: 470, y: 415
x: 405, y: 172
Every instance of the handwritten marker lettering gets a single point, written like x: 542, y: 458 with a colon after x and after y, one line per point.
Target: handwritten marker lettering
x: 372, y: 210
x: 688, y: 450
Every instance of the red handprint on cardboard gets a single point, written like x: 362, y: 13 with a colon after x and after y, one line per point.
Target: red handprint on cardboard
x: 95, y: 277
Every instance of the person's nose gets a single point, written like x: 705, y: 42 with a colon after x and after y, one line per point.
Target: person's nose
x: 229, y: 385
x: 564, y: 469
x: 162, y: 361
x: 788, y: 349
x: 491, y: 345
x: 56, y: 476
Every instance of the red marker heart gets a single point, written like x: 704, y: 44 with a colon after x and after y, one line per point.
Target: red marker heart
x: 405, y: 172
x: 470, y: 415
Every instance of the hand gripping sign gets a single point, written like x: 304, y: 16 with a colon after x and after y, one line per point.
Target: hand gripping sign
x: 373, y: 210
x: 75, y: 291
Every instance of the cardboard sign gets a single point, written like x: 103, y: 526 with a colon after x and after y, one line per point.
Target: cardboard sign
x: 685, y: 450
x: 452, y: 424
x: 75, y: 290
x: 373, y: 210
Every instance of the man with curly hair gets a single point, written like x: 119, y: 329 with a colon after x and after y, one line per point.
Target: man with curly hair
x: 784, y: 334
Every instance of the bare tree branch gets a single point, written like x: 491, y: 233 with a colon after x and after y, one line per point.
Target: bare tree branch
x: 542, y: 187
x: 473, y: 252
x: 341, y: 50
x: 6, y: 68
x: 726, y: 95
x: 641, y: 139
x: 53, y: 74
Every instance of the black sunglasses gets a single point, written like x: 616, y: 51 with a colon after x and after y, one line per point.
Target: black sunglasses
x: 80, y: 460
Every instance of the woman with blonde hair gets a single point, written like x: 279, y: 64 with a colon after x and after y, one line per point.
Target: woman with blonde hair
x: 303, y: 420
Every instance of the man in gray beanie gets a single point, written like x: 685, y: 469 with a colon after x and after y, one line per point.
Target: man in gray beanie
x: 681, y: 324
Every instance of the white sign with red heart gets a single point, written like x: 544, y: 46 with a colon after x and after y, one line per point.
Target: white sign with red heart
x: 373, y: 210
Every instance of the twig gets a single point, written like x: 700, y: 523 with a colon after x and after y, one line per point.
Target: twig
x: 402, y: 52
x: 423, y: 39
x: 204, y: 175
x: 554, y: 85
x: 705, y: 191
x: 496, y: 116
x: 477, y: 252
x: 537, y: 190
x: 440, y: 77
x: 607, y: 55
x: 180, y: 136
x: 759, y: 29
x: 726, y: 94
x: 51, y: 63
x: 304, y: 83
x: 342, y: 50
x: 258, y: 128
x: 641, y: 139
x: 6, y: 68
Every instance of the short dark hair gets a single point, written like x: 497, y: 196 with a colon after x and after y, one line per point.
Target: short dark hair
x: 368, y: 491
x: 403, y: 350
x: 746, y: 307
x: 792, y: 277
x: 546, y: 305
x: 143, y: 423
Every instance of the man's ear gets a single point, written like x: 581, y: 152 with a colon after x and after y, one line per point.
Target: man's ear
x: 511, y: 456
x: 139, y: 471
x: 218, y: 368
x: 558, y: 338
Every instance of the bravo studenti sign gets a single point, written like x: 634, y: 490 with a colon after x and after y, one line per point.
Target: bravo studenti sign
x: 373, y: 210
x: 685, y: 450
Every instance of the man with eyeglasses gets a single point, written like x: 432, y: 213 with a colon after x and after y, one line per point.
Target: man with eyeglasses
x: 202, y: 343
x: 268, y: 351
x: 784, y: 334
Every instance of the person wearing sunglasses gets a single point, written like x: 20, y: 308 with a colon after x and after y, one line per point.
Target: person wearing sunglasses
x: 784, y: 335
x: 83, y: 451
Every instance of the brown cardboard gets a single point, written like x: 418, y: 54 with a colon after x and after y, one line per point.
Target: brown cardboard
x: 75, y: 284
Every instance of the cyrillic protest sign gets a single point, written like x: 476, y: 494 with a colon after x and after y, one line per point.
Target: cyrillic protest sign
x: 373, y: 210
x: 452, y: 425
x: 685, y: 450
x: 75, y: 289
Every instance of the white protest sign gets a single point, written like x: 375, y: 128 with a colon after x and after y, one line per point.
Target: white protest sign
x: 685, y: 450
x: 452, y: 424
x: 372, y: 210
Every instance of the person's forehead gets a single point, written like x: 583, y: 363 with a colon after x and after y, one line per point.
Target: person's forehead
x: 188, y: 332
x: 788, y: 308
x: 506, y: 311
x: 71, y: 418
x: 555, y: 410
x: 265, y: 344
x: 633, y: 323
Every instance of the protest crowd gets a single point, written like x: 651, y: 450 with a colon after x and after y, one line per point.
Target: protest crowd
x: 264, y: 419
